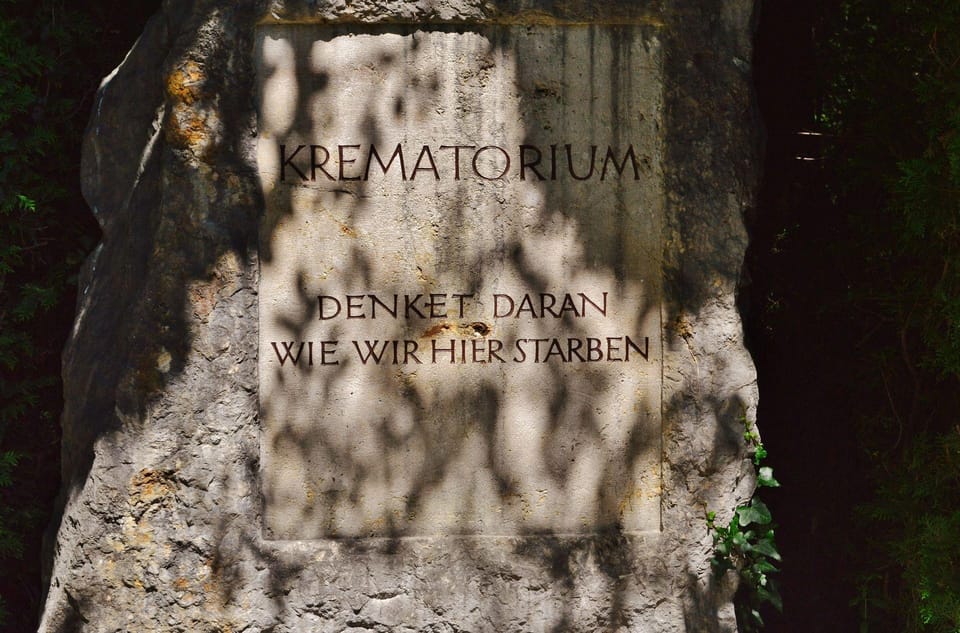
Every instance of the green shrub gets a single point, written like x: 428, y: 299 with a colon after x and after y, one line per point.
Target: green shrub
x: 892, y: 104
x: 747, y: 545
x: 44, y: 235
x: 915, y: 531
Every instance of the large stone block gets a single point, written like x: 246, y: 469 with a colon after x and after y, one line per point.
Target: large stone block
x: 411, y: 316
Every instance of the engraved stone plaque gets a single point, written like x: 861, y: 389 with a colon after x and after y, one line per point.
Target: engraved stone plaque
x: 461, y: 287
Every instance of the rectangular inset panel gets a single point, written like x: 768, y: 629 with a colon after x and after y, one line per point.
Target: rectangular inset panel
x: 460, y: 289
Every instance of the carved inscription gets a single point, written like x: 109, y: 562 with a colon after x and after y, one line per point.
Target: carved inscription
x: 477, y: 347
x: 460, y: 293
x: 489, y: 162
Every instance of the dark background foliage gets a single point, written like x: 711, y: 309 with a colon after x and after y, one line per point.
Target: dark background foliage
x: 852, y: 300
x: 854, y: 309
x: 52, y: 56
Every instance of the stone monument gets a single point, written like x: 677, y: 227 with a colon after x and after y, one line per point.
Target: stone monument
x: 411, y: 315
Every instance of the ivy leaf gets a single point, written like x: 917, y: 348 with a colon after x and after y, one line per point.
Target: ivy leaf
x: 740, y: 541
x: 765, y: 478
x: 763, y: 566
x: 770, y: 594
x: 768, y: 548
x: 757, y: 512
x: 759, y: 455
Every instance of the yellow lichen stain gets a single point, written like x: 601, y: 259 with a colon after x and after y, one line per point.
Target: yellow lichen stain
x: 375, y: 526
x: 188, y: 129
x: 163, y: 361
x: 189, y: 124
x: 108, y: 566
x: 203, y: 571
x: 514, y: 499
x: 682, y: 327
x: 627, y: 502
x: 184, y: 83
x: 150, y: 486
x: 399, y: 514
x: 423, y: 277
x: 224, y: 280
x: 548, y: 89
x: 439, y: 328
x: 476, y: 329
x: 136, y: 534
x: 674, y: 242
x: 203, y: 297
x: 211, y: 582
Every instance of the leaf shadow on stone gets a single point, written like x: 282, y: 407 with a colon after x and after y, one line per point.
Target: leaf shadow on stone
x: 203, y: 219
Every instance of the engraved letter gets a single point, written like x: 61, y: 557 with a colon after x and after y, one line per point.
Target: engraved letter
x: 289, y: 161
x: 623, y: 164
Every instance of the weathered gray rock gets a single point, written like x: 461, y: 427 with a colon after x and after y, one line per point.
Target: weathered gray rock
x: 178, y: 468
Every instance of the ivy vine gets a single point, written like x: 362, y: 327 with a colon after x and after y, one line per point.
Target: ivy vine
x: 747, y: 545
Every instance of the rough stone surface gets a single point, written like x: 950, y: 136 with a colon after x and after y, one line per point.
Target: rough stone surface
x: 162, y: 524
x: 467, y: 341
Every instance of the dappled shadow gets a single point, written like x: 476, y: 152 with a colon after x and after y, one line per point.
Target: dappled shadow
x: 456, y: 428
x: 382, y: 482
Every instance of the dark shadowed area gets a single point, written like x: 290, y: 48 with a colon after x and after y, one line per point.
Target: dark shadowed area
x: 803, y: 341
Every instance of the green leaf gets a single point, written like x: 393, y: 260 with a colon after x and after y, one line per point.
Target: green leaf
x: 756, y: 512
x: 26, y: 203
x: 8, y: 461
x: 765, y: 477
x: 771, y: 595
x: 767, y: 548
x: 740, y: 541
x: 759, y: 455
x: 763, y: 566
